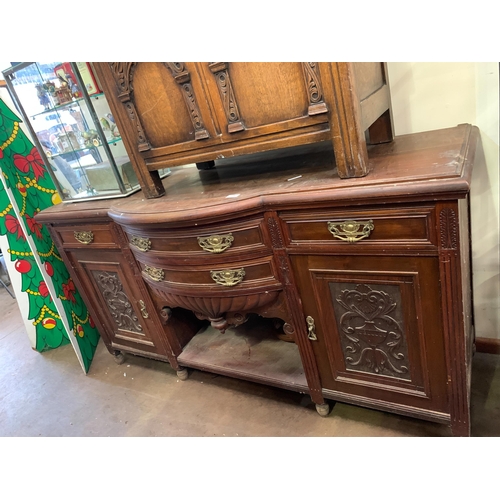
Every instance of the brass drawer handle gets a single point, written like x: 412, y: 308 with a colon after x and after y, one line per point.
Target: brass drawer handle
x: 144, y: 311
x: 154, y: 273
x: 85, y: 237
x: 228, y: 277
x: 142, y: 244
x: 349, y: 230
x: 311, y: 328
x: 216, y: 243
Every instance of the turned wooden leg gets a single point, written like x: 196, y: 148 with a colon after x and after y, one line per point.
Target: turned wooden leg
x: 119, y: 357
x: 183, y: 374
x: 220, y: 323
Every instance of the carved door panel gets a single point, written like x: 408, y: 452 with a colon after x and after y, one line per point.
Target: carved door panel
x: 116, y: 302
x: 378, y: 327
x: 256, y: 99
x: 166, y: 106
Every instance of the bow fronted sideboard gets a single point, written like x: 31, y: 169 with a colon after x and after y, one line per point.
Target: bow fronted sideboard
x: 273, y: 269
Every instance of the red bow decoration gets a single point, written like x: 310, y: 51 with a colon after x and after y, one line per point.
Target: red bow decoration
x: 34, y: 226
x: 13, y: 226
x: 33, y: 161
x: 43, y: 289
x: 68, y: 290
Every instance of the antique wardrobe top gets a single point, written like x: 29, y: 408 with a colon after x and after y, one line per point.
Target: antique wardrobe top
x: 410, y: 168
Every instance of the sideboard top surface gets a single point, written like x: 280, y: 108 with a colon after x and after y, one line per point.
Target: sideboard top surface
x: 409, y: 168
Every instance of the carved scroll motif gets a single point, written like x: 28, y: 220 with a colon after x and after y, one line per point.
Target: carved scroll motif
x: 183, y: 78
x: 317, y: 105
x: 448, y: 229
x: 117, y: 301
x: 221, y: 73
x: 371, y: 327
x: 123, y: 73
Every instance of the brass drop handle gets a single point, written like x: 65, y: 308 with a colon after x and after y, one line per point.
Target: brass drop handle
x: 216, y: 243
x: 154, y: 273
x: 142, y: 244
x: 311, y: 328
x: 228, y: 277
x: 349, y: 230
x: 144, y: 311
x: 85, y: 237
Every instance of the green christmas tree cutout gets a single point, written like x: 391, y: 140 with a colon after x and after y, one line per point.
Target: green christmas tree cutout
x: 33, y: 190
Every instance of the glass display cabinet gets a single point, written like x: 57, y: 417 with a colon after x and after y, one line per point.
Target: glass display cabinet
x: 73, y: 128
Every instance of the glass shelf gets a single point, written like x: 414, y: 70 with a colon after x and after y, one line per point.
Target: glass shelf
x: 74, y: 102
x: 83, y: 148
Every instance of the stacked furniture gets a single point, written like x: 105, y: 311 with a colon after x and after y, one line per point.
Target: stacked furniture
x: 273, y: 266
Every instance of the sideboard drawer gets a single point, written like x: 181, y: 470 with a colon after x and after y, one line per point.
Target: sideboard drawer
x: 205, y: 241
x: 217, y: 278
x: 87, y: 236
x: 401, y: 226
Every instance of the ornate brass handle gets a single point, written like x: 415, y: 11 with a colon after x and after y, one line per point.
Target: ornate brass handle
x: 154, y: 273
x: 216, y: 243
x: 142, y: 244
x: 84, y: 237
x: 228, y: 277
x: 144, y: 311
x: 349, y: 230
x: 311, y: 328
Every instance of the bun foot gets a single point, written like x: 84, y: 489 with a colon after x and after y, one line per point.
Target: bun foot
x: 183, y: 374
x: 323, y: 410
x: 119, y: 357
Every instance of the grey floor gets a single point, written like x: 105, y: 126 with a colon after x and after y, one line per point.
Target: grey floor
x: 49, y: 395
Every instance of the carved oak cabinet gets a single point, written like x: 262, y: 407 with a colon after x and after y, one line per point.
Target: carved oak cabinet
x: 272, y: 269
x: 178, y: 113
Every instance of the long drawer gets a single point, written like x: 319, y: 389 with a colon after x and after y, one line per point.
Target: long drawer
x: 233, y: 240
x: 381, y: 227
x: 218, y: 279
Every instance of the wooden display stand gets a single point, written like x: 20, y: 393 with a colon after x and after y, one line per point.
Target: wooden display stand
x: 275, y: 270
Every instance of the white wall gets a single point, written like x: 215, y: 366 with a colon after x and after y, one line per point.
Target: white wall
x: 427, y: 96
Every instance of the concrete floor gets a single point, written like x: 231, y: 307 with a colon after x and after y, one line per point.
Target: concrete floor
x: 48, y: 395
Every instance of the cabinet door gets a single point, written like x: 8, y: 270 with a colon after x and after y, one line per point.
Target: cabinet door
x: 378, y: 326
x: 256, y: 99
x: 123, y: 312
x: 165, y: 105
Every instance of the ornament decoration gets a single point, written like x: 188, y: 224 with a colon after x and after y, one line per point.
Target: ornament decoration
x: 49, y: 323
x: 43, y: 311
x: 49, y: 269
x: 22, y: 266
x: 79, y: 330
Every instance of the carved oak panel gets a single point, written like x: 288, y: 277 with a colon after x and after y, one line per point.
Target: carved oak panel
x: 371, y: 328
x: 116, y: 301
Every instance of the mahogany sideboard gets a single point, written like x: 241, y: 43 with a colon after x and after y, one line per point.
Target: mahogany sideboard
x: 272, y: 269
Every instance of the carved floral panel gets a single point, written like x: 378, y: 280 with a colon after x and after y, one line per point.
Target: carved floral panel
x: 117, y: 301
x: 371, y: 328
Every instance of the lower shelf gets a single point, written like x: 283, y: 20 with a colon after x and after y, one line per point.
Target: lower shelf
x: 250, y: 352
